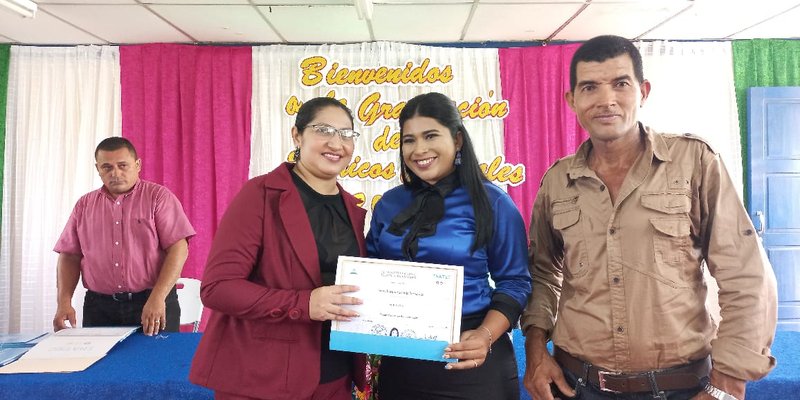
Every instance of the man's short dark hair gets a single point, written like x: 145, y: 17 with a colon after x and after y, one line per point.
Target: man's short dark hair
x: 116, y: 143
x: 602, y: 48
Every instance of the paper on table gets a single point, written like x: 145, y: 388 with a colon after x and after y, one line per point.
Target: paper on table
x: 118, y: 332
x: 69, y: 350
x: 14, y: 345
x: 72, y: 347
x: 20, y: 339
x: 9, y: 355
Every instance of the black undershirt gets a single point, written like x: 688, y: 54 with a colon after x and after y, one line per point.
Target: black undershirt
x: 334, y: 236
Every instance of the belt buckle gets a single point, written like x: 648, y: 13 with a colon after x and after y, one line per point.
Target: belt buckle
x: 601, y: 377
x: 123, y: 296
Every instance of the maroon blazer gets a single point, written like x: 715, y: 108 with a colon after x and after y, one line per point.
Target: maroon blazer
x: 263, y: 265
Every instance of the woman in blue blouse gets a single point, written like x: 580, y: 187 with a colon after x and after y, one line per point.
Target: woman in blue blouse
x: 447, y: 212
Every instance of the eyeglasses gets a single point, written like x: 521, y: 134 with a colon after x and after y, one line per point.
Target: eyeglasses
x: 327, y: 131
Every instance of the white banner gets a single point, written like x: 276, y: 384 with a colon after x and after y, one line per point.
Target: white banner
x: 375, y: 80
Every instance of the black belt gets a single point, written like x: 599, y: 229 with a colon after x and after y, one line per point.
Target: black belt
x: 676, y: 378
x: 123, y: 297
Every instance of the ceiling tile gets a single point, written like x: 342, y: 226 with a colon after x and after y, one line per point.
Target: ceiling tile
x: 46, y: 2
x: 413, y: 21
x: 431, y: 23
x: 494, y: 22
x: 302, y: 2
x: 317, y: 23
x: 422, y: 3
x: 118, y: 24
x: 783, y: 26
x: 212, y: 23
x: 718, y: 19
x: 564, y: 2
x: 196, y: 2
x: 44, y: 29
x: 539, y: 2
x: 627, y: 19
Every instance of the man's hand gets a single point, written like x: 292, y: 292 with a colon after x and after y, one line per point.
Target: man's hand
x: 154, y: 313
x: 64, y: 313
x: 542, y: 369
x: 326, y: 303
x: 154, y: 316
x: 538, y: 380
x: 728, y: 384
x: 68, y: 274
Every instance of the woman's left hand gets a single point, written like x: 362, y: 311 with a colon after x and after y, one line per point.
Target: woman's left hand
x: 471, y: 351
x: 326, y: 303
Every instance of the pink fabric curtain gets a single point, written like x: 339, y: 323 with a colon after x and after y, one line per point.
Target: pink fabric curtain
x: 540, y: 128
x: 187, y: 111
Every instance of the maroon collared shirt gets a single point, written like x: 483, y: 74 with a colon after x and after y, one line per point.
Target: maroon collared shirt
x: 123, y: 241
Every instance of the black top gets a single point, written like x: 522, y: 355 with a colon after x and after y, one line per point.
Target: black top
x: 334, y: 235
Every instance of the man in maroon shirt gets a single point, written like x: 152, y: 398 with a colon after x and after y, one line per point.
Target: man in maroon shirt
x: 128, y: 242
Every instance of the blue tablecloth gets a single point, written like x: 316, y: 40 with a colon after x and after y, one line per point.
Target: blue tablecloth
x: 140, y: 367
x: 782, y: 383
x: 143, y: 367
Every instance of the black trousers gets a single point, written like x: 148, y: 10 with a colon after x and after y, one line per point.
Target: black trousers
x: 496, y: 379
x: 103, y: 310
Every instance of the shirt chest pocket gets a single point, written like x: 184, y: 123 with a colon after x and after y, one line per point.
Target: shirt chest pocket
x: 143, y: 230
x: 672, y: 244
x: 667, y: 202
x: 567, y: 221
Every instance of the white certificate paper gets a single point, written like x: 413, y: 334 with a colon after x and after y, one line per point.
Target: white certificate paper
x: 69, y: 350
x: 409, y: 309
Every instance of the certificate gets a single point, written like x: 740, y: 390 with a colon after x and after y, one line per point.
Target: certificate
x: 409, y: 309
x: 69, y: 350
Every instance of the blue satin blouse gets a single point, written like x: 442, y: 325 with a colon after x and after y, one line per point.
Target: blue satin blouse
x: 504, y: 260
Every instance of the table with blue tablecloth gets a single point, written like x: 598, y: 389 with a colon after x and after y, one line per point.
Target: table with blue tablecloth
x: 139, y: 367
x: 143, y: 367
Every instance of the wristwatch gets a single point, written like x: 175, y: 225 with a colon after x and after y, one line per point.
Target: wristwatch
x: 718, y: 393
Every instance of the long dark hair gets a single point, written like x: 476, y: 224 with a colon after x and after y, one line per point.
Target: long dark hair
x: 443, y: 110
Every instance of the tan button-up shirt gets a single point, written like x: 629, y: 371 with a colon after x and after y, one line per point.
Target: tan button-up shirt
x: 621, y: 285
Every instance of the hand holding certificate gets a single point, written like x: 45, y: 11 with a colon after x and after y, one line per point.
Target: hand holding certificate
x: 409, y: 309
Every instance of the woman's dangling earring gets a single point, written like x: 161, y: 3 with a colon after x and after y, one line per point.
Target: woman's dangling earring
x: 457, y: 161
x: 297, y: 154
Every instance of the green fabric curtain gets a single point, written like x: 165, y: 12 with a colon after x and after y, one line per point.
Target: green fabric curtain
x: 761, y: 62
x: 5, y: 52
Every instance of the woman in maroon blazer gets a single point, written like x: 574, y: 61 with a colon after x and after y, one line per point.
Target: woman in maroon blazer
x: 270, y: 273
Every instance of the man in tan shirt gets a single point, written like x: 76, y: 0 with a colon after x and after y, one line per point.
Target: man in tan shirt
x: 620, y: 234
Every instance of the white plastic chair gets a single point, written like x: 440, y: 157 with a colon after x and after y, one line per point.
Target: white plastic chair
x: 189, y: 300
